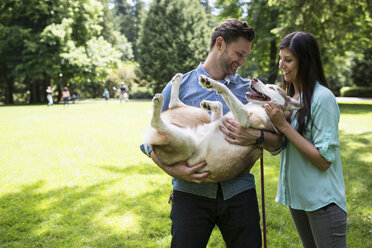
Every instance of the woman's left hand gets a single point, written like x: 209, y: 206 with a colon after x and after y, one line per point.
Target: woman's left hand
x: 276, y: 115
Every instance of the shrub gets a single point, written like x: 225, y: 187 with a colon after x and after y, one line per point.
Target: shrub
x: 361, y: 70
x: 356, y: 91
x: 140, y: 91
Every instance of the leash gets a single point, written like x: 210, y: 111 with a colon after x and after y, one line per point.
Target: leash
x: 263, y: 202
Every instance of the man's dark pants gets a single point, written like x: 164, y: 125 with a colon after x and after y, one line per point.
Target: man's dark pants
x: 194, y: 217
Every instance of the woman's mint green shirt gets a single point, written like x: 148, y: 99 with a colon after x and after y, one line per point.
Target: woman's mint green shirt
x: 301, y: 184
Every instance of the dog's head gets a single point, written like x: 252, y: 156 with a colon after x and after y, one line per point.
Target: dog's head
x: 270, y: 92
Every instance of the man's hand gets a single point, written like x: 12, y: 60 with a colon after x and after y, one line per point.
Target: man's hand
x: 238, y: 135
x: 182, y: 171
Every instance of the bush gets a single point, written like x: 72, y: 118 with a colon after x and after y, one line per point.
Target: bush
x: 361, y: 70
x: 141, y: 93
x: 356, y: 91
x: 140, y: 90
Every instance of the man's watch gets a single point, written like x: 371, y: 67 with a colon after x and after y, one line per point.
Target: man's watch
x: 260, y: 139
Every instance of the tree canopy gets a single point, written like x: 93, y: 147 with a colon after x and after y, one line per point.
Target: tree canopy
x: 80, y: 43
x: 53, y: 42
x: 174, y: 38
x: 343, y: 29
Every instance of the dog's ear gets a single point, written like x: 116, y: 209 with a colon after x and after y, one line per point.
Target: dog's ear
x: 294, y: 104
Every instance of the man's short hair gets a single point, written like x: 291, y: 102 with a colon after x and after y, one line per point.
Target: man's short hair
x: 231, y: 30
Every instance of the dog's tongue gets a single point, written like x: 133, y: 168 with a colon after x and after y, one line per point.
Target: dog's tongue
x: 256, y: 96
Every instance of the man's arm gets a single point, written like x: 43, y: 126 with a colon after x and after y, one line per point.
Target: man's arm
x: 182, y: 170
x: 238, y: 135
x: 179, y: 170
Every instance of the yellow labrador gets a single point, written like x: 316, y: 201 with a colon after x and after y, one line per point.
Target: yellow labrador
x: 189, y: 133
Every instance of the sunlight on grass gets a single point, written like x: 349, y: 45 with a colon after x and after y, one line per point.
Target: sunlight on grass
x: 75, y: 177
x: 120, y: 224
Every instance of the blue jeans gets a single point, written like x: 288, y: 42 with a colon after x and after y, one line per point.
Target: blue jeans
x: 322, y: 228
x: 194, y: 217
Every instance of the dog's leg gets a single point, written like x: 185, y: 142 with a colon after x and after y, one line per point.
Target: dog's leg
x: 215, y: 107
x: 175, y: 99
x: 157, y: 104
x: 236, y: 106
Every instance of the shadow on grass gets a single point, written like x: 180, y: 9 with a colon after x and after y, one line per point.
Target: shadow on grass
x: 79, y: 216
x: 357, y: 174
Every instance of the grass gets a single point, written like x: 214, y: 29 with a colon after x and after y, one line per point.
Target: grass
x: 75, y: 177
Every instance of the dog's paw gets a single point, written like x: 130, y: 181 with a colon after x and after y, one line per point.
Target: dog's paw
x: 205, y: 82
x: 211, y: 105
x: 157, y: 100
x: 205, y: 105
x: 177, y: 79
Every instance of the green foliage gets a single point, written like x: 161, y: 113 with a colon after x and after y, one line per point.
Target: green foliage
x: 362, y: 69
x: 356, y: 91
x: 78, y: 42
x: 138, y: 92
x: 128, y: 19
x: 126, y: 73
x: 174, y: 38
x: 55, y: 42
x: 75, y: 177
x: 341, y: 28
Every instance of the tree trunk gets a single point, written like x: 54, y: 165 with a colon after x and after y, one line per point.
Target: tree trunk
x: 9, y: 92
x: 35, y: 91
x: 273, y: 71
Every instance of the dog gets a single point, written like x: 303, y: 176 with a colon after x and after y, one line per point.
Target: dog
x: 187, y: 133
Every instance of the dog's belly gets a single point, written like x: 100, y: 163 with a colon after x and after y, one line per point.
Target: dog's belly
x: 224, y: 160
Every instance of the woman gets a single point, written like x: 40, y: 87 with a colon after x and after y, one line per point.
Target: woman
x: 311, y: 181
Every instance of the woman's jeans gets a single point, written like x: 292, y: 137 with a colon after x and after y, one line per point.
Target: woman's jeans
x: 322, y: 228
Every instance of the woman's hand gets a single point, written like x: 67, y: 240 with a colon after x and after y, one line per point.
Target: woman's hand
x: 276, y: 115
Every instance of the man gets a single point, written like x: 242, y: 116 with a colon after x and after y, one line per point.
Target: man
x: 49, y: 92
x: 231, y: 205
x: 123, y: 93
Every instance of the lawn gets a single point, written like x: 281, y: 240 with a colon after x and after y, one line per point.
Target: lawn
x: 75, y: 177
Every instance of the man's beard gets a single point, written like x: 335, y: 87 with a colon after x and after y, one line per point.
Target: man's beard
x: 226, y: 64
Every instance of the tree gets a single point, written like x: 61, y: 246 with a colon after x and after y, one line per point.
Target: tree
x: 362, y: 69
x: 262, y: 61
x: 342, y: 27
x: 128, y: 19
x: 174, y: 38
x: 54, y: 42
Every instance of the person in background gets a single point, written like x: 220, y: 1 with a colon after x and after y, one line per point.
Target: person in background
x: 106, y: 94
x: 49, y: 92
x: 123, y: 93
x: 232, y: 205
x: 66, y: 96
x: 311, y: 181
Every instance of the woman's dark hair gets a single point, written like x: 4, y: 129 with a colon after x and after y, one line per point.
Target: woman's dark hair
x: 231, y: 30
x: 310, y: 70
